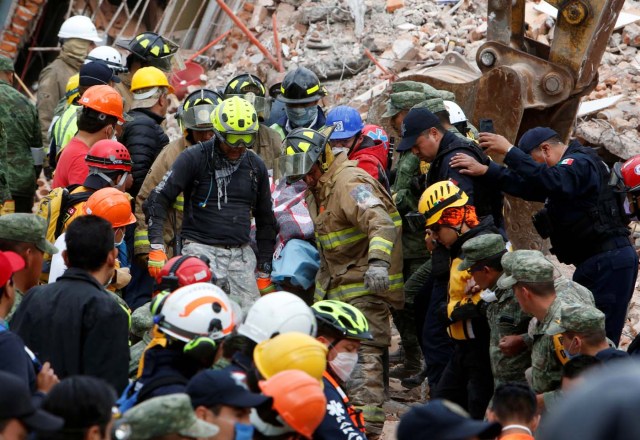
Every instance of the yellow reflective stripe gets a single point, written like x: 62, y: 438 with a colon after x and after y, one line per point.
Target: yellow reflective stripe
x: 141, y: 238
x: 179, y: 203
x: 312, y: 90
x: 380, y: 244
x: 372, y: 414
x: 397, y: 220
x: 350, y: 291
x: 334, y: 239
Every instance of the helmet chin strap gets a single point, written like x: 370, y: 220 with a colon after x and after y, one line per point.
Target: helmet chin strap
x: 119, y: 185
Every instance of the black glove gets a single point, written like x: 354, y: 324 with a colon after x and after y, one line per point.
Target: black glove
x: 464, y: 312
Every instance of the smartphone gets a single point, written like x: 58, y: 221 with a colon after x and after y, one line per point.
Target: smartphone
x: 486, y: 126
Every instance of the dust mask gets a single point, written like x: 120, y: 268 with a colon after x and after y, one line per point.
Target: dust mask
x: 344, y: 364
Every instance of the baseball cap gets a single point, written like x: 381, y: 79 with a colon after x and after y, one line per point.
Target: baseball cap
x: 10, y: 263
x: 480, y: 248
x: 15, y: 403
x: 6, y: 64
x: 417, y: 121
x: 527, y: 268
x: 168, y: 414
x: 532, y: 138
x: 26, y: 228
x: 577, y: 318
x: 219, y: 387
x: 443, y: 420
x: 96, y: 73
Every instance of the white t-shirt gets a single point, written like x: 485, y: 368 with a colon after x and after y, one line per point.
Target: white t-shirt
x: 57, y: 262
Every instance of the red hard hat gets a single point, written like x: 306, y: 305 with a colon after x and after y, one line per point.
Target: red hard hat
x: 109, y: 155
x: 630, y: 173
x: 187, y: 269
x: 104, y: 99
x: 376, y: 133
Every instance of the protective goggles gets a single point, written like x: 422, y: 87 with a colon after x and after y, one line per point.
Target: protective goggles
x: 236, y: 140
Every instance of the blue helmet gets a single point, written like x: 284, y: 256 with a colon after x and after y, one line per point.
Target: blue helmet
x: 347, y: 122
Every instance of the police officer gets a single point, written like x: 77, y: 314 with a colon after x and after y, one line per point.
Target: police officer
x: 24, y: 145
x: 301, y: 94
x: 582, y: 217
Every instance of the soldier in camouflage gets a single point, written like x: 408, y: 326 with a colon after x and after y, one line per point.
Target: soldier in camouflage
x: 482, y: 257
x: 170, y: 415
x: 21, y: 128
x: 532, y: 280
x: 25, y: 235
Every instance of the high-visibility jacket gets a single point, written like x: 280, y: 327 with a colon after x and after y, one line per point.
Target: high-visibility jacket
x: 65, y: 128
x: 160, y: 166
x: 355, y: 222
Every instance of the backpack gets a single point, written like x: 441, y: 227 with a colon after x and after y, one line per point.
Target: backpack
x: 56, y: 202
x: 137, y: 392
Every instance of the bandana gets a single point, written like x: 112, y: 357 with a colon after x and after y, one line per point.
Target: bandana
x: 457, y: 215
x: 224, y: 169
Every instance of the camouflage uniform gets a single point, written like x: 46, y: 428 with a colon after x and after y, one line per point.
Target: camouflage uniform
x: 53, y: 81
x: 165, y: 415
x: 20, y: 120
x: 5, y: 193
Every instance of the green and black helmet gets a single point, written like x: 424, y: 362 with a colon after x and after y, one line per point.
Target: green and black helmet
x: 342, y: 318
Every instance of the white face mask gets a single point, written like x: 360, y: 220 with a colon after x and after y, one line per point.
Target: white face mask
x: 344, y: 364
x: 337, y: 150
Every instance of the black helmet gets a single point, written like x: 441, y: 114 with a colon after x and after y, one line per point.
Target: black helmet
x: 301, y: 149
x: 243, y: 84
x: 152, y: 49
x: 198, y: 119
x: 301, y: 86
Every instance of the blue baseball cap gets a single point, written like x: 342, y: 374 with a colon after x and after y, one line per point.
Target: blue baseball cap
x: 443, y: 420
x: 533, y: 137
x: 221, y: 387
x: 96, y: 73
x: 417, y: 121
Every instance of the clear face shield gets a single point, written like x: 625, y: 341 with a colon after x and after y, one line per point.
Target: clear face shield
x: 293, y: 167
x: 197, y: 117
x: 261, y: 104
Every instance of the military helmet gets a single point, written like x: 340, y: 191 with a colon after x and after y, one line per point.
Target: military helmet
x: 301, y: 86
x: 195, y: 113
x: 342, y: 318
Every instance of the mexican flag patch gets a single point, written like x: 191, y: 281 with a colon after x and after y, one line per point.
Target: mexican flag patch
x: 568, y: 161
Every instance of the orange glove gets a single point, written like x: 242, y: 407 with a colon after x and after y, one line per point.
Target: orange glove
x: 157, y: 259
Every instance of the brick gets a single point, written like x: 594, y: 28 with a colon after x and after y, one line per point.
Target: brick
x: 17, y: 30
x: 8, y: 47
x: 11, y: 37
x: 393, y: 5
x: 32, y: 8
x: 248, y: 7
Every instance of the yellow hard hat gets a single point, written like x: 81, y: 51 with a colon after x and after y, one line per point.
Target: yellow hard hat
x: 291, y: 351
x: 438, y: 197
x: 73, y: 88
x: 147, y: 77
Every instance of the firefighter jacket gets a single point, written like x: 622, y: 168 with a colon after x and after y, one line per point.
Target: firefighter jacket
x: 160, y: 166
x: 355, y: 222
x: 268, y: 145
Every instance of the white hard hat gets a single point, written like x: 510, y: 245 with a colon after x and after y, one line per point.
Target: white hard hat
x: 455, y: 112
x: 80, y: 27
x: 200, y: 309
x: 108, y: 54
x: 276, y: 313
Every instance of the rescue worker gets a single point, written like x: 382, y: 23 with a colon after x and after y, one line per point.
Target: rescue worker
x: 25, y: 234
x: 627, y: 180
x: 301, y: 93
x: 110, y: 56
x: 15, y: 357
x: 144, y: 136
x: 226, y: 184
x: 342, y: 328
x: 24, y: 153
x: 532, y: 281
x: 358, y: 234
x: 194, y: 118
x: 7, y: 205
x: 252, y: 89
x: 583, y: 217
x: 64, y: 128
x: 347, y: 137
x: 167, y: 417
x: 459, y: 120
x: 101, y: 112
x: 74, y: 323
x: 452, y: 220
x: 146, y: 49
x: 78, y: 34
x: 582, y: 330
x: 482, y: 258
x: 71, y: 97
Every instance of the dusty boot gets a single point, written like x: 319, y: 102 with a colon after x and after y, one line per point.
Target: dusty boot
x: 402, y: 372
x: 397, y: 356
x: 415, y: 380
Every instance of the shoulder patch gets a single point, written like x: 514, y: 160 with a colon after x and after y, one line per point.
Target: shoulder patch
x: 363, y: 195
x: 567, y: 161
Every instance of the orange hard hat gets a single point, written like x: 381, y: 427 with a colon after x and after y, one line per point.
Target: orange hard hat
x: 103, y: 99
x: 112, y: 205
x: 298, y: 398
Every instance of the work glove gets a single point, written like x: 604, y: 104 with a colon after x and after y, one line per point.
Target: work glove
x: 8, y: 207
x: 121, y: 278
x: 376, y: 278
x: 157, y: 259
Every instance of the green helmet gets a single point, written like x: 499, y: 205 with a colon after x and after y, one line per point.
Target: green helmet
x: 342, y: 318
x: 235, y: 122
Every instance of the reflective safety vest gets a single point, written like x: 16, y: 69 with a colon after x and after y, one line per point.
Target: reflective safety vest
x: 65, y: 128
x: 355, y: 415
